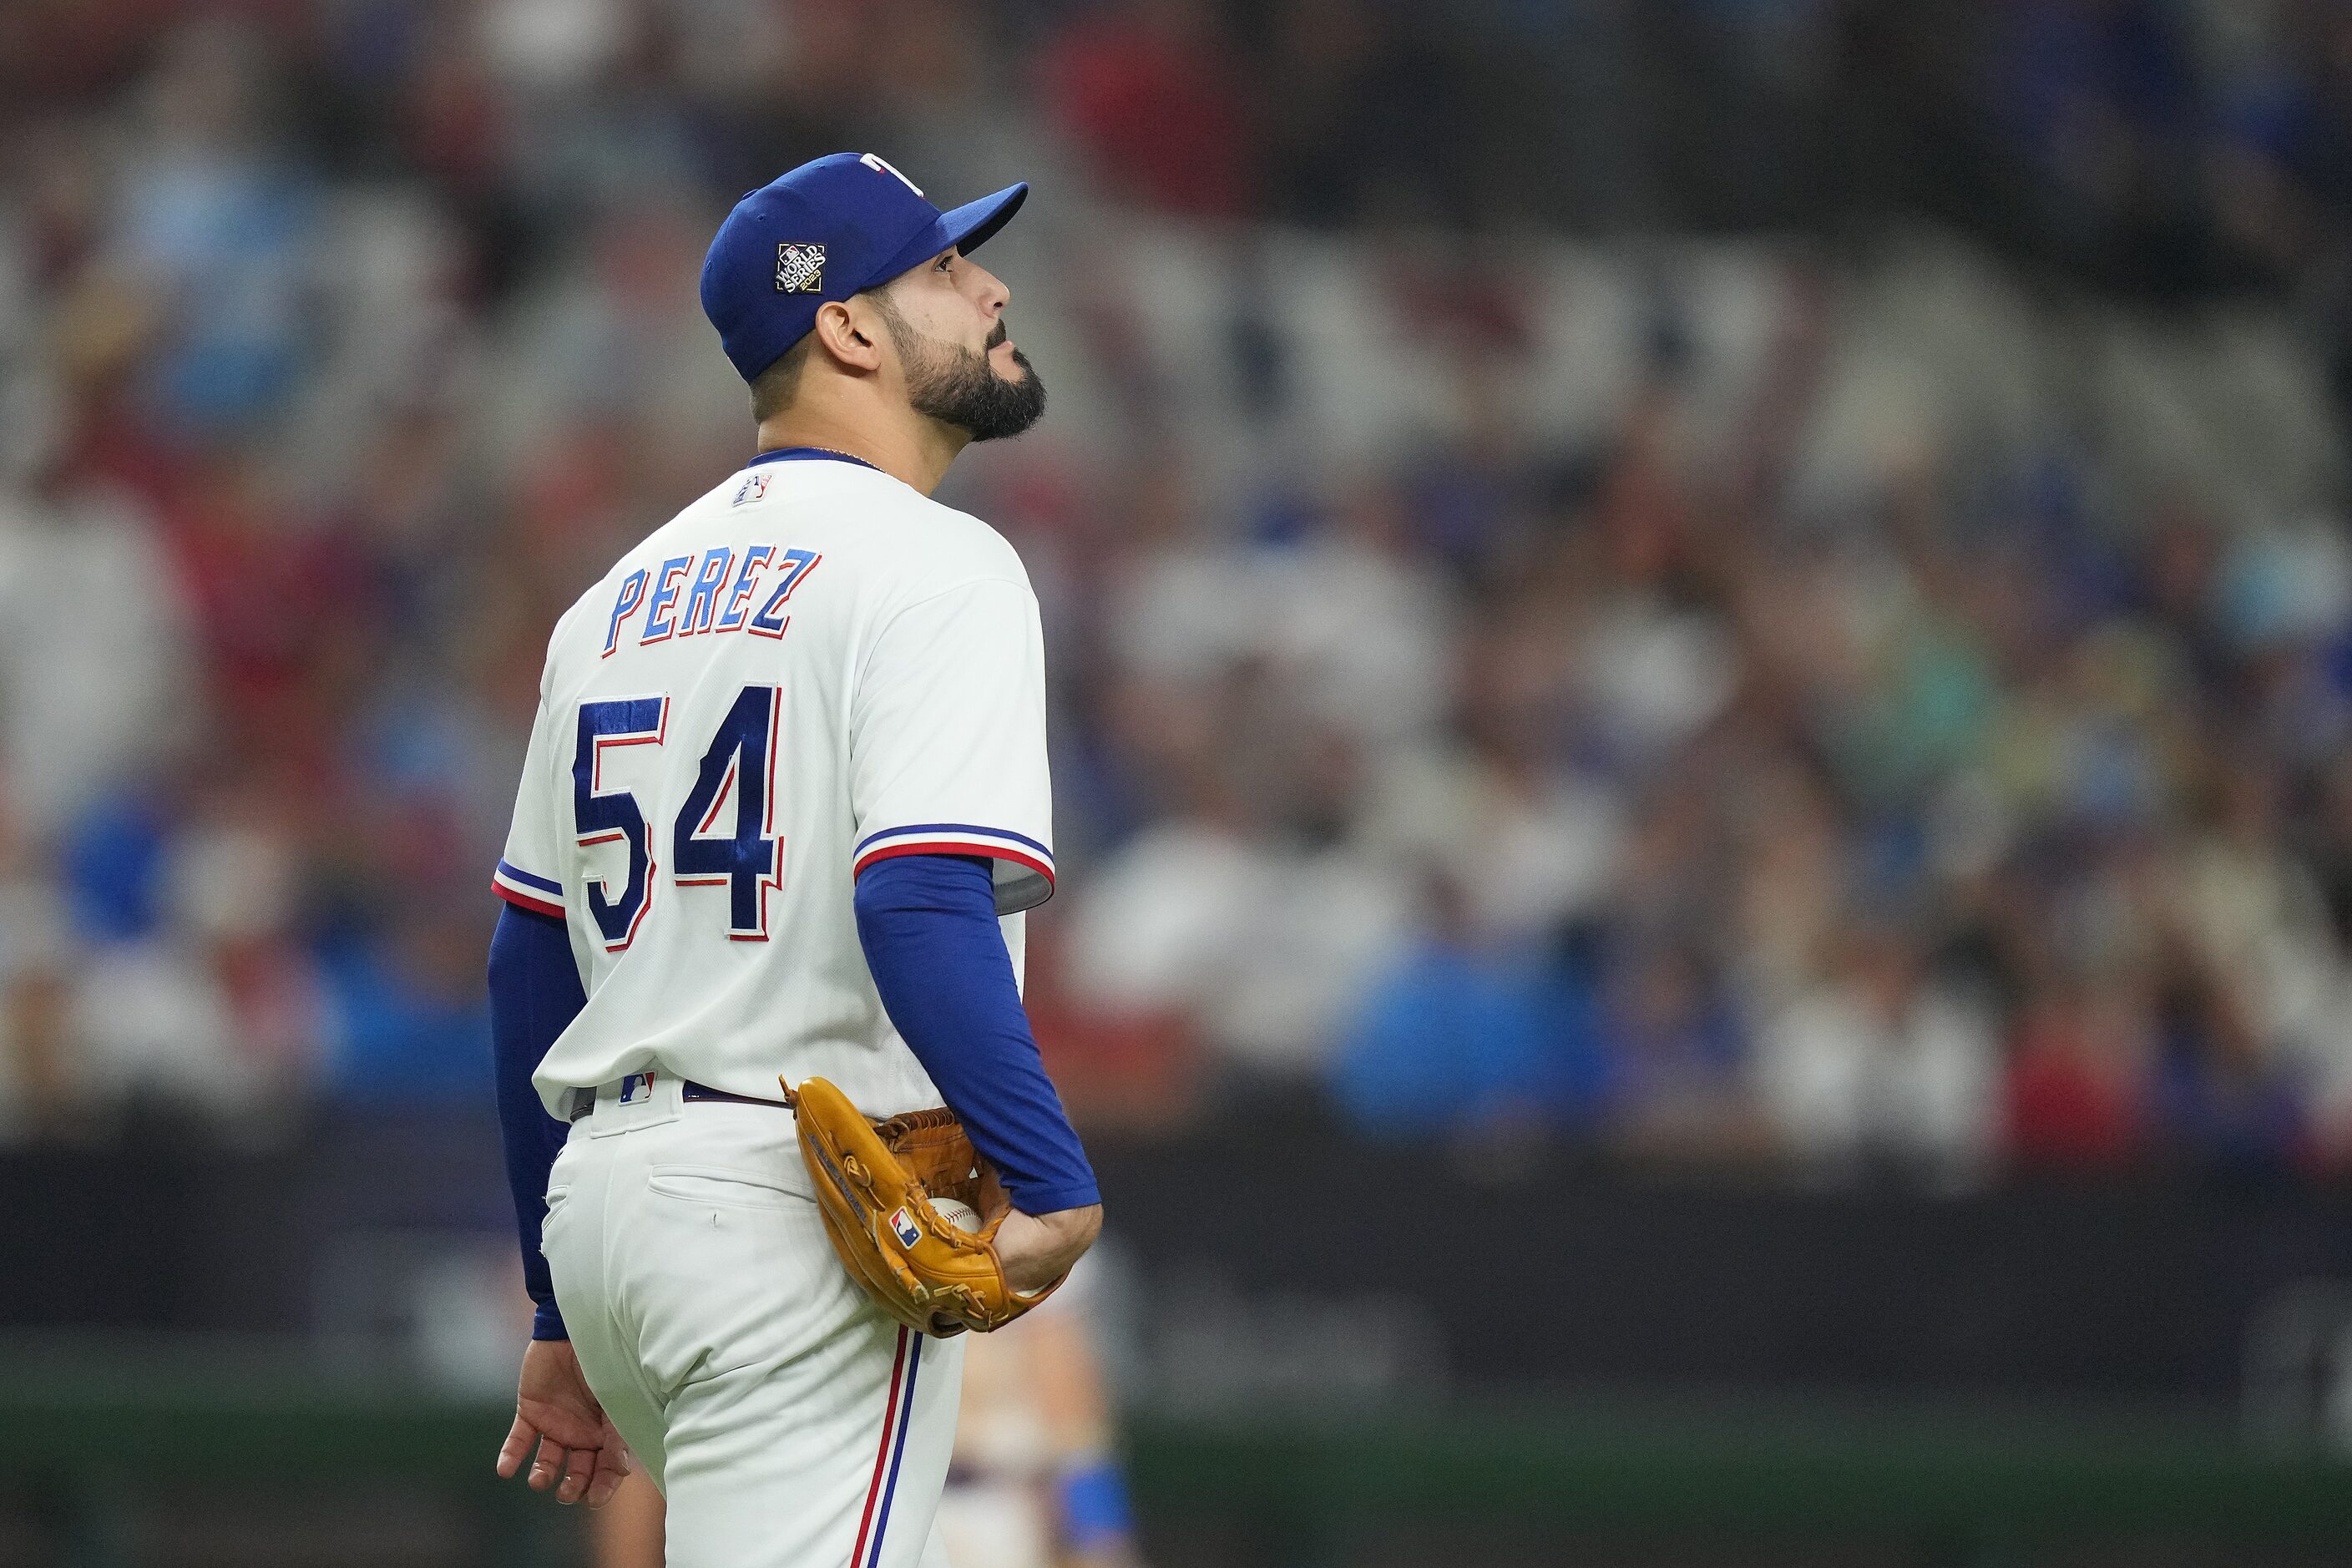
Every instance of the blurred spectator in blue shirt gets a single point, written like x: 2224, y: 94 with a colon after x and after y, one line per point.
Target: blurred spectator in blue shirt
x: 407, y: 1016
x: 1461, y: 1034
x: 217, y: 223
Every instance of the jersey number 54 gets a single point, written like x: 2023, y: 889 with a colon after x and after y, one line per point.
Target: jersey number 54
x: 739, y: 766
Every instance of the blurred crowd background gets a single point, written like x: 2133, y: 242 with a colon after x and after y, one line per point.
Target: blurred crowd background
x: 1752, y: 582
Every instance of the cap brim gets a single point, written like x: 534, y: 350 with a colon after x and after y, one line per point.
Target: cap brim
x: 964, y: 230
x: 971, y: 226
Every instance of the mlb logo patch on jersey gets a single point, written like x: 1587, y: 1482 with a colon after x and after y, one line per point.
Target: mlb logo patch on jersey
x: 903, y: 1227
x: 800, y: 269
x: 636, y: 1085
x: 753, y: 488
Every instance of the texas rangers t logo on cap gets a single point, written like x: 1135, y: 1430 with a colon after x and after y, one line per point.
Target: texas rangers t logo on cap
x: 800, y: 269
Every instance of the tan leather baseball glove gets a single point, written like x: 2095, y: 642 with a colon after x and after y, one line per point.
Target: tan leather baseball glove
x: 875, y: 1182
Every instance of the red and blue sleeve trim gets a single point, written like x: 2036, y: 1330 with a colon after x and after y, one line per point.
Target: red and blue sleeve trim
x: 954, y: 838
x: 540, y: 895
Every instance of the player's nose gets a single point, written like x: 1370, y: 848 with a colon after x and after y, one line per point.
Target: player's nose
x: 991, y: 291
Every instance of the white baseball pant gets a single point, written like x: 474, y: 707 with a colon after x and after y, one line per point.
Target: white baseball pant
x: 789, y: 1421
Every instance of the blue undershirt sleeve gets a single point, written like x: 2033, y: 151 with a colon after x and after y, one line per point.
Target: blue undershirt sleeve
x: 535, y: 992
x: 927, y: 923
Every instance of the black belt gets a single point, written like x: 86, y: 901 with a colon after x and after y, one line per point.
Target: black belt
x: 689, y: 1089
x: 584, y: 1100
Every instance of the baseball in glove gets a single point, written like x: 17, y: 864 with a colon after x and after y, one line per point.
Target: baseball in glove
x: 875, y: 1182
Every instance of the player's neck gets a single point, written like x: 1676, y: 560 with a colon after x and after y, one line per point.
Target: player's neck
x: 914, y: 450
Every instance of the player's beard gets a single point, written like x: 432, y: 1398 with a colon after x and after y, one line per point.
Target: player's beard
x: 959, y: 386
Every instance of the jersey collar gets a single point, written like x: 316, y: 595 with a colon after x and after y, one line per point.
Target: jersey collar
x: 807, y: 455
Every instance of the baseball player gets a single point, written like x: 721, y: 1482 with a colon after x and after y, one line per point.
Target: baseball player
x: 784, y: 801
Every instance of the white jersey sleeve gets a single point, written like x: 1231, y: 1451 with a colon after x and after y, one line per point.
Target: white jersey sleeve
x: 538, y: 848
x: 947, y: 738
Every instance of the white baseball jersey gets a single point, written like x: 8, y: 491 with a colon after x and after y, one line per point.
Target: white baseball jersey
x: 811, y: 668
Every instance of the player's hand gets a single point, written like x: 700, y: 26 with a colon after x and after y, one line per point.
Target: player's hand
x: 1037, y: 1249
x: 580, y: 1455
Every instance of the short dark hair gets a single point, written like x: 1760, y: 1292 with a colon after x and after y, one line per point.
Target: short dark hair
x: 773, y: 389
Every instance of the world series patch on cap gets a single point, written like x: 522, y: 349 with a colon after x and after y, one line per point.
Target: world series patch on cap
x: 829, y: 229
x: 800, y: 269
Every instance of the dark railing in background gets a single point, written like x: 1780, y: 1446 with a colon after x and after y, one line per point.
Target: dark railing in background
x: 1290, y: 1262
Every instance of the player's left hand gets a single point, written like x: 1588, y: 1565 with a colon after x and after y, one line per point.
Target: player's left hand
x: 579, y: 1453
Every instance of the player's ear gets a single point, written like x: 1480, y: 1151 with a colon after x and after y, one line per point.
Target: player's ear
x: 849, y: 332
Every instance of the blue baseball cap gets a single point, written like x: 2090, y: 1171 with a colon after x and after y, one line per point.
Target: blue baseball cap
x: 823, y: 232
